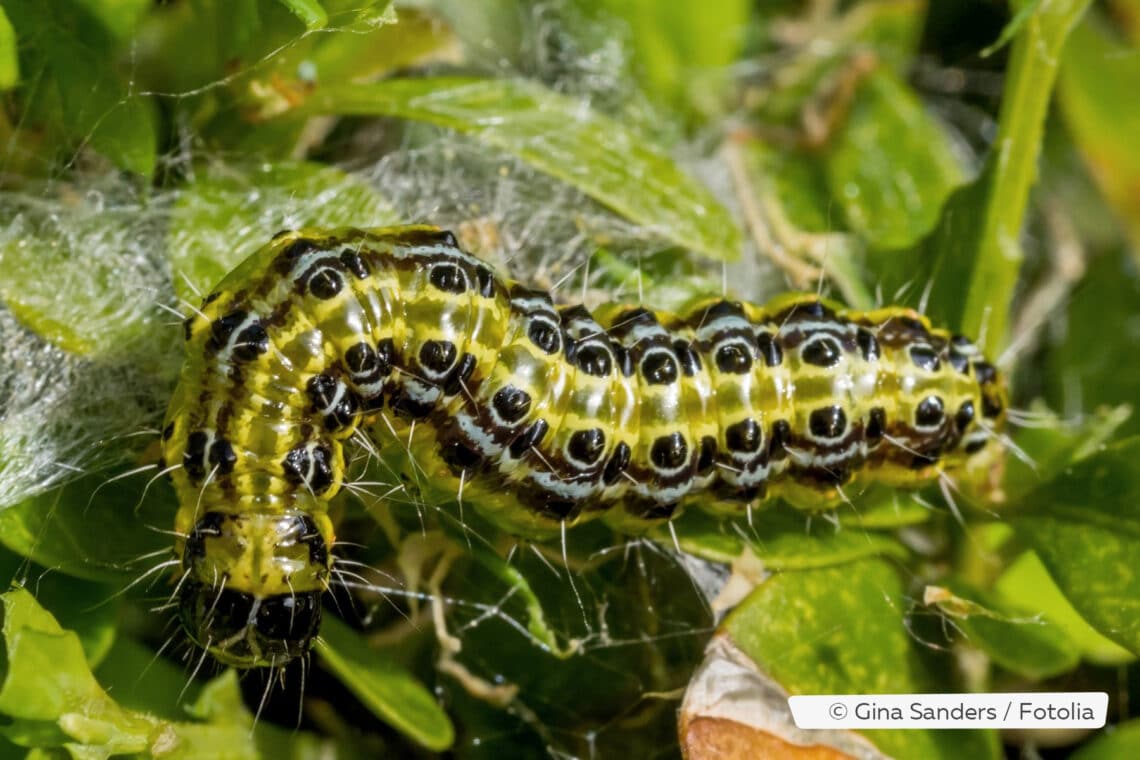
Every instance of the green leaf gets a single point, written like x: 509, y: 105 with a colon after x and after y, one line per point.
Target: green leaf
x: 1121, y: 740
x: 1026, y: 584
x: 515, y: 580
x: 561, y: 136
x: 40, y: 651
x: 841, y: 630
x: 228, y: 212
x: 391, y: 692
x: 373, y: 45
x: 1016, y: 638
x: 797, y: 180
x: 373, y: 14
x: 884, y: 507
x: 1085, y: 527
x: 95, y: 100
x: 892, y: 165
x: 782, y: 538
x: 123, y: 129
x: 976, y: 247
x: 309, y: 11
x: 9, y: 61
x: 188, y: 47
x: 370, y: 45
x: 91, y: 528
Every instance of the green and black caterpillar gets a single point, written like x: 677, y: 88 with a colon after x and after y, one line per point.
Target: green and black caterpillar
x: 545, y: 416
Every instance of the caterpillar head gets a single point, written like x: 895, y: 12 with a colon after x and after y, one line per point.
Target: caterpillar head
x: 252, y: 595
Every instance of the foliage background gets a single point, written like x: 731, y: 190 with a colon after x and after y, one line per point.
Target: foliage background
x: 970, y: 157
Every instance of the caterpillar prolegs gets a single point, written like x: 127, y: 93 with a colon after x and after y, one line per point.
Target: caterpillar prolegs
x: 547, y: 415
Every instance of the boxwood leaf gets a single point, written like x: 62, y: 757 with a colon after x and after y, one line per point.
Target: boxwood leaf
x: 1026, y: 584
x: 892, y: 165
x: 89, y: 528
x: 384, y: 686
x: 1085, y: 527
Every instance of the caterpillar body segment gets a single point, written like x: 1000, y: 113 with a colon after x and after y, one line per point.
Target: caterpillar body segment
x: 539, y: 416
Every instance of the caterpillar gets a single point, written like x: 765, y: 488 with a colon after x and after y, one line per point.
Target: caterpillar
x: 545, y: 416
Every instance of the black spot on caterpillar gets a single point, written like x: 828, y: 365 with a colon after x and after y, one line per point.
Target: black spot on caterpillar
x: 550, y: 415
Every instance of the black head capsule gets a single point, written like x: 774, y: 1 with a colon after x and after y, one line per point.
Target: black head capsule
x: 249, y: 631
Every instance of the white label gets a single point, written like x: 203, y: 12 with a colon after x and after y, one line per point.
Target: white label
x: 1084, y: 709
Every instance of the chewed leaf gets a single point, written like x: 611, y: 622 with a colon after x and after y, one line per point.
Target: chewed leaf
x: 389, y: 690
x: 51, y: 700
x: 51, y: 696
x: 229, y: 212
x: 563, y: 137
